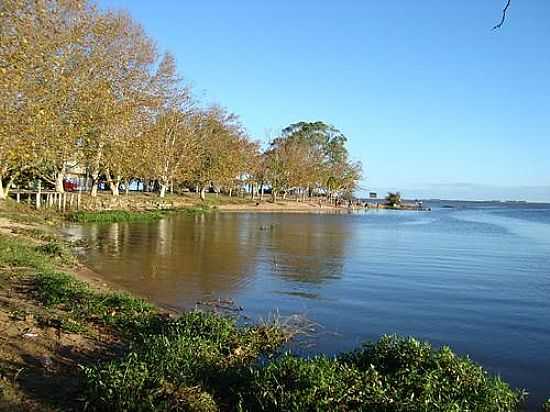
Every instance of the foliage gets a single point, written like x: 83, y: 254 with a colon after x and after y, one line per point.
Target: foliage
x: 83, y: 89
x: 311, y: 156
x: 393, y: 374
x: 393, y: 199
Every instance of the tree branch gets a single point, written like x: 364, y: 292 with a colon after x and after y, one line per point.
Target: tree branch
x: 499, y: 25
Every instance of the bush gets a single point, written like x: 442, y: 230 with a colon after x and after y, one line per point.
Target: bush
x: 393, y: 374
x: 195, y: 362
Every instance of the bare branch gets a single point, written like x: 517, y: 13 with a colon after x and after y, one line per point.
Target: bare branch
x: 499, y: 25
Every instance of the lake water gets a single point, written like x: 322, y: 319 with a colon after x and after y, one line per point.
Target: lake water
x: 475, y: 276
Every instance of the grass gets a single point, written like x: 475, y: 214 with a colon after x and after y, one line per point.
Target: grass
x: 116, y: 216
x: 206, y: 362
x: 392, y: 374
x: 25, y: 214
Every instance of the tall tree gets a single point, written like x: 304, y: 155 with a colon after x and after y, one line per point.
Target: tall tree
x: 171, y: 141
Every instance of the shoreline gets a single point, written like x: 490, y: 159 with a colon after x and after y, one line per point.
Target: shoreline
x: 55, y: 328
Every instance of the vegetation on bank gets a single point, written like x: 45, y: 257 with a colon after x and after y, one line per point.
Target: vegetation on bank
x: 206, y: 362
x: 115, y: 216
x: 393, y: 199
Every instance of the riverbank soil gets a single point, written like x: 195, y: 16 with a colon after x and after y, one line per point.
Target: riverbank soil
x: 38, y: 357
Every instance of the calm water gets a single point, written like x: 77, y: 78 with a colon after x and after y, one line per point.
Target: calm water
x: 475, y: 276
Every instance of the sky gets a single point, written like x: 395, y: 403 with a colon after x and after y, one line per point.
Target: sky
x: 434, y: 103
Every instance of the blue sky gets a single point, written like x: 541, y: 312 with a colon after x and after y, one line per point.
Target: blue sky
x: 433, y: 102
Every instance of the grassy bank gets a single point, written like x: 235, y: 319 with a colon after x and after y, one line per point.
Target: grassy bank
x: 115, y: 216
x: 205, y: 362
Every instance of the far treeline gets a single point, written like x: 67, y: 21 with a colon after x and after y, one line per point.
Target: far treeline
x: 86, y: 89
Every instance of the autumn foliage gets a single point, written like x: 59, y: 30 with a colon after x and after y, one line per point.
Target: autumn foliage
x: 86, y: 89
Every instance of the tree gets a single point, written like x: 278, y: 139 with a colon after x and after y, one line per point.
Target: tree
x: 170, y: 144
x: 311, y: 156
x: 42, y: 53
x: 393, y: 199
x: 219, y: 158
x: 119, y: 96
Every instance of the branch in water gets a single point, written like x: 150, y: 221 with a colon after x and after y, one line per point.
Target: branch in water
x: 499, y: 25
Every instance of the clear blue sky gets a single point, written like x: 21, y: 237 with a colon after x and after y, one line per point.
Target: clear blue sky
x: 433, y: 102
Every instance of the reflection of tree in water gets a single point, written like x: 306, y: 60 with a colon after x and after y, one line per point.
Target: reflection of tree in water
x: 310, y: 248
x: 182, y: 259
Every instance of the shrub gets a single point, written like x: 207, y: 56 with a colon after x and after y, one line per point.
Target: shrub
x: 189, y: 363
x: 393, y: 374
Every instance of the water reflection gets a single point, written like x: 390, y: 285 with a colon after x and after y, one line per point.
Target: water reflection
x: 309, y: 248
x: 183, y: 259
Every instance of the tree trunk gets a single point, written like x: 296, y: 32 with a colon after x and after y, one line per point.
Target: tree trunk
x: 163, y: 188
x: 262, y: 192
x: 113, y: 184
x: 96, y: 171
x: 230, y: 192
x: 4, y: 191
x: 59, y: 182
x: 203, y: 193
x: 253, y: 191
x: 93, y: 191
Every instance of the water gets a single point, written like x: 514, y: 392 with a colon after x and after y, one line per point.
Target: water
x: 475, y: 276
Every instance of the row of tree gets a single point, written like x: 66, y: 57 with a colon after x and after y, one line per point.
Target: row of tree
x: 83, y: 88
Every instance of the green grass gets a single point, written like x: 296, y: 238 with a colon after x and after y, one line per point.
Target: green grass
x: 115, y: 216
x: 392, y: 374
x: 206, y: 362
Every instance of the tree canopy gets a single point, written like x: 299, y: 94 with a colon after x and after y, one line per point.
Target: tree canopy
x: 87, y: 89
